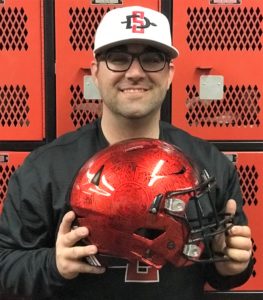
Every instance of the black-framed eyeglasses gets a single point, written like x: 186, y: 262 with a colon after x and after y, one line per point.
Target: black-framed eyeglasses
x: 118, y: 61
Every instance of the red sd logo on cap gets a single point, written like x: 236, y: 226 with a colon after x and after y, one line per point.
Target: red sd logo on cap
x: 137, y: 22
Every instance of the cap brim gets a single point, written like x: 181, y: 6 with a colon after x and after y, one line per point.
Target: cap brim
x: 170, y: 50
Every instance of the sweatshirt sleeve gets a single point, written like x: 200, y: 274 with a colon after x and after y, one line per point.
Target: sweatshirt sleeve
x: 27, y: 237
x: 224, y: 283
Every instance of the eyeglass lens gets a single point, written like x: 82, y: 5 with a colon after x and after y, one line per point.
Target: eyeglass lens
x: 149, y: 61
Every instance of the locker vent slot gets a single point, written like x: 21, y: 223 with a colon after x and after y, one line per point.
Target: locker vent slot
x: 83, y: 111
x: 13, y: 31
x: 14, y: 106
x: 240, y: 107
x: 238, y: 29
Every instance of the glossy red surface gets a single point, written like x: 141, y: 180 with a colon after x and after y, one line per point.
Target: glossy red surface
x: 114, y: 191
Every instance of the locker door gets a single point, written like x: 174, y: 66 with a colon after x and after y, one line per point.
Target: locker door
x: 21, y: 70
x: 217, y: 89
x: 250, y: 169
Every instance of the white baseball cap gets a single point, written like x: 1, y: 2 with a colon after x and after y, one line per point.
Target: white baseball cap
x: 134, y: 24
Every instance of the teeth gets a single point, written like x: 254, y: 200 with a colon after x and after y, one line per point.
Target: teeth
x: 133, y: 90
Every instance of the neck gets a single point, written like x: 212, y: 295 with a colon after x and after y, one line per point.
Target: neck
x: 119, y: 129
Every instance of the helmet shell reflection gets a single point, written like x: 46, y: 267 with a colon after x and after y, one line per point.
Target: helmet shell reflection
x: 122, y: 195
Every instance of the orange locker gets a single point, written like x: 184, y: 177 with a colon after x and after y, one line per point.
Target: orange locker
x: 9, y: 162
x: 250, y: 169
x: 217, y: 89
x: 76, y: 22
x: 21, y: 71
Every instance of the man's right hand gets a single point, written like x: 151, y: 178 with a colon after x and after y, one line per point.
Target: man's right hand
x: 69, y: 257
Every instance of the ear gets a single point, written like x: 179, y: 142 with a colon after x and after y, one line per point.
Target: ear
x: 170, y: 75
x: 94, y: 71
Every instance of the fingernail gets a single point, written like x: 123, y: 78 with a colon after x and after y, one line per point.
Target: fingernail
x: 231, y: 231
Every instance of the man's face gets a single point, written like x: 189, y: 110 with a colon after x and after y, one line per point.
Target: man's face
x: 134, y: 93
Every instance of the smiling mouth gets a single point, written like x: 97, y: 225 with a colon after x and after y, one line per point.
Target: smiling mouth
x: 134, y: 90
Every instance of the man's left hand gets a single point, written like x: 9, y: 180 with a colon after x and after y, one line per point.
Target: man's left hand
x: 236, y: 244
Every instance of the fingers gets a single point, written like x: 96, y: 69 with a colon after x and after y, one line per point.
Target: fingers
x: 71, y: 235
x: 69, y: 256
x: 236, y: 244
x: 238, y: 247
x: 79, y: 252
x: 70, y: 263
x: 66, y: 235
x: 239, y: 237
x: 75, y: 235
x: 66, y: 223
x: 239, y: 244
x: 238, y: 255
x: 240, y: 230
x: 83, y: 267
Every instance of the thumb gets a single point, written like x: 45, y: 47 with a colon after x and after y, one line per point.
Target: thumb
x: 231, y: 207
x: 219, y: 241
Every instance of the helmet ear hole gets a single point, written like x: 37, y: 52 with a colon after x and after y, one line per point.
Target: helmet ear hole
x: 149, y: 233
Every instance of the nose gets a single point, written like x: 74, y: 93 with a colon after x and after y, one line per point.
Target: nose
x: 135, y: 70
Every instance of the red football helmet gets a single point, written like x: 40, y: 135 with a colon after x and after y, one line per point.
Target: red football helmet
x: 143, y: 199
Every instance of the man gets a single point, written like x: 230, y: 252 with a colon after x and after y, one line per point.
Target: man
x: 40, y: 253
